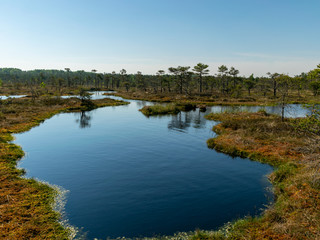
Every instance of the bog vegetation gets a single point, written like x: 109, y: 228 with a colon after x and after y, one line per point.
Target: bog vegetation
x: 227, y: 83
x: 291, y: 145
x: 26, y: 204
x: 172, y: 108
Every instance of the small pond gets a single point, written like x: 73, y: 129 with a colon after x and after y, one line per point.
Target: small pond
x: 129, y: 175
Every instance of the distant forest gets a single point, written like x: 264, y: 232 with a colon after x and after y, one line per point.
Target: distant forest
x: 179, y: 80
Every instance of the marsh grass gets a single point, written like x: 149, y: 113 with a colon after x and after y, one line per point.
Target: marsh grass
x: 160, y: 109
x: 295, y: 155
x: 171, y: 108
x: 26, y: 205
x: 29, y: 208
x: 212, y: 99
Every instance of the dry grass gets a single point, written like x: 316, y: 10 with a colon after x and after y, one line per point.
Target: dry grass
x: 166, y: 109
x: 296, y: 179
x: 25, y: 204
x: 217, y: 98
x: 160, y: 109
x: 12, y: 89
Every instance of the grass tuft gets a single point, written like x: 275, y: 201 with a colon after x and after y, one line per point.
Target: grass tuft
x: 26, y: 205
x: 295, y: 153
x: 160, y: 109
x: 167, y: 109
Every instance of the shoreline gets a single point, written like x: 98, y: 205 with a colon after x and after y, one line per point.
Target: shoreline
x: 203, y: 100
x: 28, y: 205
x: 285, y: 163
x: 286, y: 217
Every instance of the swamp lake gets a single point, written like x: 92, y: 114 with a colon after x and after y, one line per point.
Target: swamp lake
x: 131, y: 175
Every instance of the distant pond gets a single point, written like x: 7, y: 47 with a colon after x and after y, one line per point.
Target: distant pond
x: 129, y: 175
x: 2, y: 97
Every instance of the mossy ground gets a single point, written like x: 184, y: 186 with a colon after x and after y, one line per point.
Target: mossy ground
x: 25, y: 204
x: 216, y: 98
x: 295, y: 155
x: 170, y: 108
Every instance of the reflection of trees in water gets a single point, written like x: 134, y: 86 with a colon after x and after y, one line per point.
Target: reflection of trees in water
x: 184, y: 120
x: 179, y: 122
x: 291, y: 110
x: 142, y: 103
x: 145, y: 103
x: 84, y: 120
x: 199, y: 121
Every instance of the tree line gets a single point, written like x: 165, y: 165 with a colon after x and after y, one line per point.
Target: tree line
x: 177, y: 80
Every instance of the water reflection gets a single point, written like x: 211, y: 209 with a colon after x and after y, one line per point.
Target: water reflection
x: 141, y: 104
x: 11, y: 96
x: 184, y: 120
x: 144, y: 179
x: 199, y: 121
x: 84, y: 119
x: 291, y: 110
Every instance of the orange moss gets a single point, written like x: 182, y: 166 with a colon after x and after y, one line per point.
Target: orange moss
x: 25, y: 204
x: 296, y: 211
x: 195, y: 99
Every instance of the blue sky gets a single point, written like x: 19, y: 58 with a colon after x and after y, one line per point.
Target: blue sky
x: 254, y: 36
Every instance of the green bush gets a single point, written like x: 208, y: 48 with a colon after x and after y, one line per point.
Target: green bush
x: 160, y: 109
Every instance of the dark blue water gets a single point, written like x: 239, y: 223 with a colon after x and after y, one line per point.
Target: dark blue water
x: 130, y: 175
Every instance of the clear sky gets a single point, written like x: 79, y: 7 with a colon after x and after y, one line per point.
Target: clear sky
x: 254, y: 36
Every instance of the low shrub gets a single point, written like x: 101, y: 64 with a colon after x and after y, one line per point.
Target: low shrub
x: 160, y: 109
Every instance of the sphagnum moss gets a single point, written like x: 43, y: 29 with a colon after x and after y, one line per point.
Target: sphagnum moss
x: 212, y: 99
x: 160, y: 109
x: 295, y: 213
x: 26, y: 205
x: 170, y: 108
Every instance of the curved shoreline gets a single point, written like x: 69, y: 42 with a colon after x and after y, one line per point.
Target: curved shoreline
x: 287, y: 163
x: 26, y: 205
x: 295, y: 211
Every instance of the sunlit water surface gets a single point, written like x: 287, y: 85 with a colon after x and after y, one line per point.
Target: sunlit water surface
x: 129, y: 175
x: 2, y: 97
